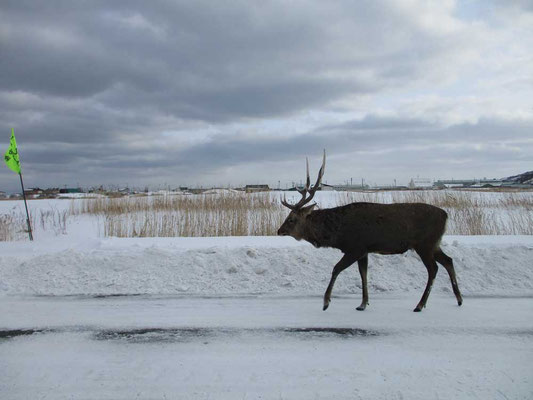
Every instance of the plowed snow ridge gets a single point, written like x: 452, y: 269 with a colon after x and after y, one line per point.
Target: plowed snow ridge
x: 485, y: 266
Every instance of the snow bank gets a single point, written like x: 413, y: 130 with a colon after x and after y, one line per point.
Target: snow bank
x: 495, y: 265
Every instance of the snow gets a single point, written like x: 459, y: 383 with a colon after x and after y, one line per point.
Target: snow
x: 263, y: 347
x: 498, y: 265
x: 82, y: 316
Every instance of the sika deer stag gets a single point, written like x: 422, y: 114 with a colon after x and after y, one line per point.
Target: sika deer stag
x: 358, y: 229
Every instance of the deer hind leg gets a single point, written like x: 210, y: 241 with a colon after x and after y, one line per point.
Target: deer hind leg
x: 345, y: 262
x: 432, y: 267
x: 363, y: 266
x: 447, y: 263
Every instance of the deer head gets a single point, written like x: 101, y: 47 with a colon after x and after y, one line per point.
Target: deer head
x: 295, y: 221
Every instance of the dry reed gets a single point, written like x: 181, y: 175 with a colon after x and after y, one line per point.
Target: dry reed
x: 226, y: 214
x: 11, y: 227
x: 14, y: 226
x: 470, y: 213
x: 241, y: 214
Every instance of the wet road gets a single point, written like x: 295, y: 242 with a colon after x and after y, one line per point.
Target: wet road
x: 264, y: 347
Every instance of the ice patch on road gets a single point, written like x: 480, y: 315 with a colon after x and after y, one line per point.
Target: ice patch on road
x: 150, y: 335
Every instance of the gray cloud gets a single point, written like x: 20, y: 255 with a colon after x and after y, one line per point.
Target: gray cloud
x: 92, y: 86
x: 370, y: 135
x: 210, y: 61
x: 374, y: 148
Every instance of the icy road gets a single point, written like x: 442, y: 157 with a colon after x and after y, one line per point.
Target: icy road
x: 265, y: 347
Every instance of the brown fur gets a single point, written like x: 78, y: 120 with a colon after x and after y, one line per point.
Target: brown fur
x: 358, y: 229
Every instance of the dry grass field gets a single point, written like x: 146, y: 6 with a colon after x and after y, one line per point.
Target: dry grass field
x: 229, y: 213
x: 221, y: 214
x: 469, y: 212
x: 240, y: 214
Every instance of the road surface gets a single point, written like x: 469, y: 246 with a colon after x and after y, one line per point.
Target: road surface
x: 265, y: 347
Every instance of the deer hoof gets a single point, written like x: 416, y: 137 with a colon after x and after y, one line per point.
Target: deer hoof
x: 361, y: 308
x: 417, y: 309
x: 326, y: 305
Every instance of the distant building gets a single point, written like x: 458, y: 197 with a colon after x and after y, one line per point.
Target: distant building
x: 420, y: 183
x: 301, y: 187
x: 70, y: 190
x: 326, y: 187
x: 196, y: 190
x: 256, y: 188
x: 33, y: 192
x: 50, y: 192
x: 488, y: 184
x: 348, y: 188
x: 448, y: 184
x: 469, y: 183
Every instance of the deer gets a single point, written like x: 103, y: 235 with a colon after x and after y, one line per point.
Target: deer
x: 361, y: 228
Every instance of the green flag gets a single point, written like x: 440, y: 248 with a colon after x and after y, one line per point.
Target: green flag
x: 12, y: 156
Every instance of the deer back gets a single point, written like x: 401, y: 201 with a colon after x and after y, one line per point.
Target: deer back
x: 381, y: 228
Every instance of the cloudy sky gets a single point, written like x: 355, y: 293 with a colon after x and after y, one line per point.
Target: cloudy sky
x: 204, y: 93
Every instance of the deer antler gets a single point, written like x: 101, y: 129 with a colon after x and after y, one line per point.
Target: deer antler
x: 307, y: 190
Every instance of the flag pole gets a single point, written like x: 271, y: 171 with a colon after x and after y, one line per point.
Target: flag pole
x: 11, y: 157
x: 26, y: 205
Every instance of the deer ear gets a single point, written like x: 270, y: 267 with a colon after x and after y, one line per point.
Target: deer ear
x: 307, y: 210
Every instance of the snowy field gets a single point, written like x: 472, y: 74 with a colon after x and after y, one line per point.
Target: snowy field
x: 88, y: 317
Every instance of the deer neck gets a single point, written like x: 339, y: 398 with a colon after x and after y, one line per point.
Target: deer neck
x: 312, y: 233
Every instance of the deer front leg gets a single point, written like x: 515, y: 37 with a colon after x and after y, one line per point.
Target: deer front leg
x: 432, y: 268
x: 345, y: 262
x: 363, y: 266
